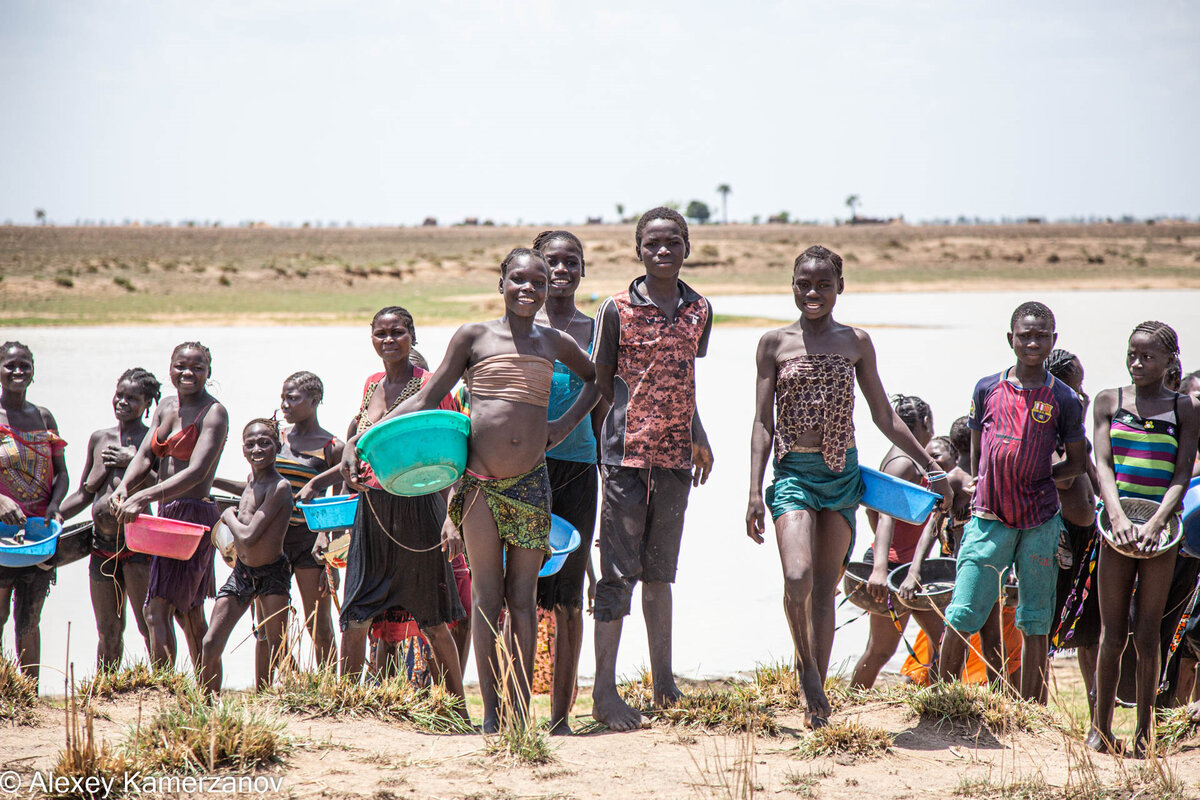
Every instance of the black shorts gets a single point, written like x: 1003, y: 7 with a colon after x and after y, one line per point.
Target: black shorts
x: 297, y: 546
x: 103, y: 568
x: 641, y: 525
x: 573, y: 486
x: 30, y: 586
x: 246, y: 583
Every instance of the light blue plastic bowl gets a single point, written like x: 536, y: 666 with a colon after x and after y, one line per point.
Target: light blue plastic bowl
x: 1191, y: 519
x: 418, y: 453
x: 895, y: 497
x: 41, y: 540
x: 330, y: 513
x: 564, y: 540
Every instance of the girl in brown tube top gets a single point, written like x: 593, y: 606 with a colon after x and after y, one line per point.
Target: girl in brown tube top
x: 187, y: 436
x: 804, y: 407
x: 502, y: 504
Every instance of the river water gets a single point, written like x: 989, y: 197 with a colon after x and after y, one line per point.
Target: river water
x: 728, y: 595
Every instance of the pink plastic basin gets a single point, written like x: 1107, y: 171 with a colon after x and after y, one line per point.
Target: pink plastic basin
x: 159, y: 536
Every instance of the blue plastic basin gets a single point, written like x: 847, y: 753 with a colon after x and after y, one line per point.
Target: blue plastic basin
x: 564, y: 540
x: 41, y: 540
x: 895, y: 497
x: 330, y: 513
x: 1191, y: 519
x: 418, y: 453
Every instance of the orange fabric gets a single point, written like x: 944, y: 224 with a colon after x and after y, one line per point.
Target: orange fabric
x: 543, y: 659
x: 976, y: 671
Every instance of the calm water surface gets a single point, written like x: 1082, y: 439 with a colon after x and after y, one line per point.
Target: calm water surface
x: 728, y: 597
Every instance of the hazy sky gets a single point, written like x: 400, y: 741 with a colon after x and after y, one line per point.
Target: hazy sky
x: 385, y: 112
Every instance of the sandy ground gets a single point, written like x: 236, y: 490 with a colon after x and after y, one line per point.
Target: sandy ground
x: 371, y: 759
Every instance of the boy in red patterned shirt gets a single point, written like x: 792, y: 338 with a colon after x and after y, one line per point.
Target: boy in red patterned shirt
x: 653, y: 449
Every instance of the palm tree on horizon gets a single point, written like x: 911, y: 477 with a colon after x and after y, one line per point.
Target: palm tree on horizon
x: 724, y: 191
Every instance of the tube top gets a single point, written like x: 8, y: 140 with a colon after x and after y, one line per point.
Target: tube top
x: 181, y: 444
x: 815, y: 391
x: 512, y: 376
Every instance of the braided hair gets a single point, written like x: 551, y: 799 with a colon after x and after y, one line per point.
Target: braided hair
x: 308, y: 383
x: 1163, y: 334
x: 391, y: 311
x: 1033, y: 309
x: 516, y: 253
x: 546, y: 237
x: 960, y: 436
x: 1063, y: 365
x: 271, y: 425
x: 147, y: 384
x: 1174, y: 376
x: 820, y: 254
x: 911, y: 409
x: 948, y: 444
x: 194, y: 346
x: 661, y: 212
x: 15, y: 345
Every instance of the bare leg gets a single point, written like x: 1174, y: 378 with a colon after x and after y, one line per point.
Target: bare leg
x: 262, y: 650
x: 953, y: 655
x: 461, y: 631
x: 657, y: 609
x: 520, y: 596
x: 485, y: 553
x: 991, y: 645
x: 226, y: 612
x: 274, y: 623
x: 318, y: 618
x: 137, y: 583
x: 607, y: 705
x: 446, y: 666
x: 1087, y: 665
x: 160, y: 617
x: 1154, y: 584
x: 1114, y: 578
x: 27, y: 608
x: 195, y: 626
x: 354, y: 651
x: 567, y: 643
x: 1034, y: 661
x: 108, y: 604
x: 1187, y: 680
x: 811, y: 549
x: 881, y: 646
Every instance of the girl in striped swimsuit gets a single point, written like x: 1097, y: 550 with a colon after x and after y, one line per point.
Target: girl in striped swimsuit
x: 1145, y: 443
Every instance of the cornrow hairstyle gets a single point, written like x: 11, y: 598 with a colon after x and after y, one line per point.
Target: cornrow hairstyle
x: 911, y: 409
x: 661, y: 212
x: 149, y: 386
x: 1032, y: 309
x: 271, y: 424
x: 516, y: 253
x: 308, y: 383
x: 15, y: 345
x: 818, y: 253
x: 945, y: 440
x: 960, y: 435
x: 546, y: 237
x: 1174, y: 377
x: 1163, y: 333
x: 194, y: 346
x: 1063, y: 365
x: 397, y: 311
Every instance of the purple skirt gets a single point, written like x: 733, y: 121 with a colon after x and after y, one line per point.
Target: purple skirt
x: 185, y: 584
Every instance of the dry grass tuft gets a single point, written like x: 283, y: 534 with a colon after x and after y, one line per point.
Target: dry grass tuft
x: 728, y: 776
x: 322, y: 693
x: 520, y: 738
x: 742, y: 706
x: 845, y: 738
x: 83, y: 758
x: 1173, y: 727
x: 18, y: 693
x: 961, y: 703
x: 135, y: 677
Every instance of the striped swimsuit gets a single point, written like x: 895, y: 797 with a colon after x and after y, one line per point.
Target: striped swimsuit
x: 1144, y: 451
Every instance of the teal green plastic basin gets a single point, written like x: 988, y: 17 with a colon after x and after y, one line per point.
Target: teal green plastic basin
x: 418, y: 453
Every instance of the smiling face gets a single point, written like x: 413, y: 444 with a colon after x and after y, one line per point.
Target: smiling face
x: 524, y: 285
x: 663, y: 248
x: 815, y: 287
x: 129, y: 402
x: 296, y: 404
x: 16, y: 369
x: 189, y: 371
x: 391, y: 337
x: 566, y: 267
x: 259, y: 445
x: 1032, y: 339
x: 942, y: 454
x: 1146, y: 359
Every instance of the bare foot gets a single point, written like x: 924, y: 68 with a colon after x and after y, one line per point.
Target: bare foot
x: 1141, y: 744
x: 490, y: 725
x: 610, y: 709
x: 561, y: 728
x: 1104, y: 743
x: 1194, y: 711
x: 666, y: 693
x: 814, y: 697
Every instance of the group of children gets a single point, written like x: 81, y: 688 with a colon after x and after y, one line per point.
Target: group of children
x: 564, y: 408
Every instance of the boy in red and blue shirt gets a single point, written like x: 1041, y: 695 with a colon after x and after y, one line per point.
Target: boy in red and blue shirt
x: 1018, y: 417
